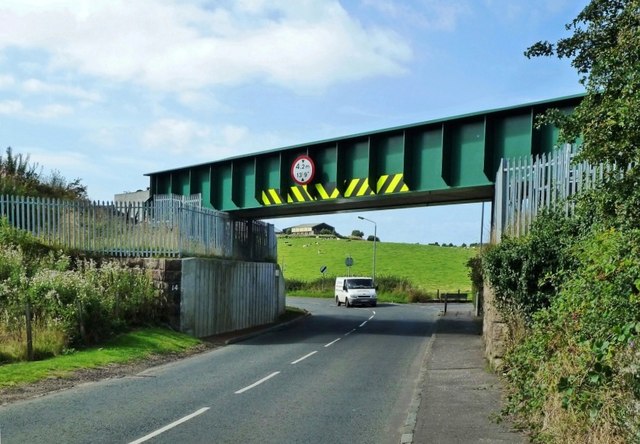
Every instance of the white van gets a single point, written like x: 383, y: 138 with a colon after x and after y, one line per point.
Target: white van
x: 355, y: 291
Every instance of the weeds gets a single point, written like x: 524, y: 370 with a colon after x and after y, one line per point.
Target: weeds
x: 66, y: 306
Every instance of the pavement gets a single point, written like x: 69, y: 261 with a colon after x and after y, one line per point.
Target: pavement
x: 458, y: 398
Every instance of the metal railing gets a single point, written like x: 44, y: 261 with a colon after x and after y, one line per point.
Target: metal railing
x: 526, y: 185
x: 167, y: 226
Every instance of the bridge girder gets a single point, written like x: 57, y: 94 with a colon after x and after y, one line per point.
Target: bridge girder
x: 442, y: 161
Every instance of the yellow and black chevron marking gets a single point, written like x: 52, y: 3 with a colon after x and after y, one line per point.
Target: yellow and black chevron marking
x: 358, y: 188
x: 271, y: 197
x: 299, y: 193
x: 327, y: 191
x: 391, y: 183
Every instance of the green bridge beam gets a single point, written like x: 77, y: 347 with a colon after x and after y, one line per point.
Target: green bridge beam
x: 451, y: 160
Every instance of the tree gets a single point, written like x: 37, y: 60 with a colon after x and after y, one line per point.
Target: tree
x: 370, y: 238
x: 357, y: 233
x: 605, y: 50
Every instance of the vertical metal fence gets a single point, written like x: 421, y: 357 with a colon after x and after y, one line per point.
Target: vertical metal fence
x: 168, y: 226
x: 526, y: 185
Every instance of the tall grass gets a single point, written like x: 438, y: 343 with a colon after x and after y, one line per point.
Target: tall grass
x: 48, y: 341
x: 65, y: 303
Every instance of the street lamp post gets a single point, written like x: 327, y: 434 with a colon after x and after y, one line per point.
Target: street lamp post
x: 375, y: 239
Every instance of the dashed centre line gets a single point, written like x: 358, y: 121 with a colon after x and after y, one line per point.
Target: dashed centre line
x: 332, y: 342
x: 245, y: 389
x: 308, y: 355
x: 304, y: 357
x: 257, y: 383
x: 170, y: 426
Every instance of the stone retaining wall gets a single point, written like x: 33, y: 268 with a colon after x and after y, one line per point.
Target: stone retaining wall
x: 494, y: 330
x: 166, y: 275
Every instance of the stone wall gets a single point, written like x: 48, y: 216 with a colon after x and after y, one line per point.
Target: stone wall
x: 166, y: 275
x: 494, y: 330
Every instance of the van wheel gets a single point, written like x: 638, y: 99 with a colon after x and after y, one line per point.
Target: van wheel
x: 337, y: 301
x: 346, y: 302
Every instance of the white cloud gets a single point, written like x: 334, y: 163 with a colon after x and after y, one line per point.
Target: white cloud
x: 233, y: 135
x: 174, y: 136
x: 174, y: 46
x: 11, y: 107
x: 36, y: 86
x: 6, y: 81
x: 62, y: 160
x: 15, y: 108
x: 187, y: 141
x: 52, y: 111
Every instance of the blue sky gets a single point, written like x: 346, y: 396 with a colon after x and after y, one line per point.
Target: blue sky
x: 107, y: 90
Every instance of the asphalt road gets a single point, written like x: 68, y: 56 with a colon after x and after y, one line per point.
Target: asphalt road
x: 342, y: 375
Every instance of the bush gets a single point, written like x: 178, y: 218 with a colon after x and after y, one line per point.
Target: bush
x: 575, y: 376
x: 475, y: 273
x: 526, y: 272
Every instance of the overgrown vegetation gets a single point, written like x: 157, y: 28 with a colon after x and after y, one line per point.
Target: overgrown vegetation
x: 68, y: 303
x: 573, y: 370
x: 21, y: 177
x: 570, y: 290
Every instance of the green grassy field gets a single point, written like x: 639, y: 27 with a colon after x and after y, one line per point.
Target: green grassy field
x: 428, y: 267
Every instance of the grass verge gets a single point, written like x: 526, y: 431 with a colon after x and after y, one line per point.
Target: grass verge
x: 122, y: 349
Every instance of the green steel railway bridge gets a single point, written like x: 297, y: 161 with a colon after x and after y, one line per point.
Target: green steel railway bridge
x: 443, y: 161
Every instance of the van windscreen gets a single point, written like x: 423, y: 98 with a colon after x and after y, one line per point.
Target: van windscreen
x: 359, y: 283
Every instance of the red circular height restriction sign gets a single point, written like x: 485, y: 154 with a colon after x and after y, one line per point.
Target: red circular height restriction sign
x: 302, y: 170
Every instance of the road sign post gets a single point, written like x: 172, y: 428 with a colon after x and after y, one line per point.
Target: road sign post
x: 349, y: 263
x: 323, y: 270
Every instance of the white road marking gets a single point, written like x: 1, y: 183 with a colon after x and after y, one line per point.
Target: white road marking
x: 255, y: 384
x: 170, y: 426
x: 371, y: 317
x: 304, y: 357
x: 349, y: 332
x: 332, y: 342
x: 363, y: 324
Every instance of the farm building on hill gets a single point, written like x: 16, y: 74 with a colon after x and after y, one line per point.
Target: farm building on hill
x: 310, y: 229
